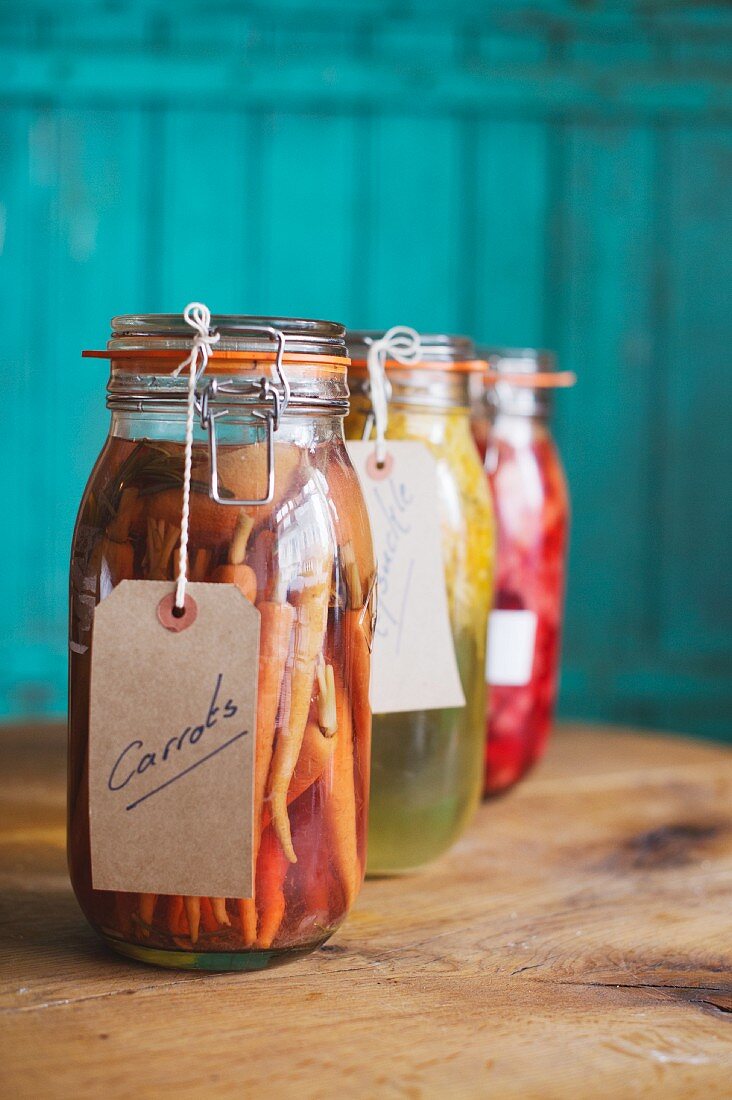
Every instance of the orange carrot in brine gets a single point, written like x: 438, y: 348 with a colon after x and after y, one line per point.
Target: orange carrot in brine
x: 242, y: 575
x: 210, y: 524
x: 271, y: 873
x: 340, y: 803
x: 247, y: 908
x: 310, y: 623
x: 161, y: 540
x: 147, y: 907
x: 263, y: 559
x: 218, y: 906
x: 358, y: 663
x: 193, y: 913
x: 351, y: 520
x: 117, y: 550
x: 201, y: 559
x: 208, y: 917
x: 276, y: 620
x: 315, y: 755
x: 176, y: 923
x: 236, y: 571
x: 327, y: 718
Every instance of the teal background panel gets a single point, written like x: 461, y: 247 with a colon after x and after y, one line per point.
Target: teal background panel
x: 531, y: 171
x: 505, y: 287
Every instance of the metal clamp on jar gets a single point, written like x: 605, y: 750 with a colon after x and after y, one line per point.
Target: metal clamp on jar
x: 276, y: 509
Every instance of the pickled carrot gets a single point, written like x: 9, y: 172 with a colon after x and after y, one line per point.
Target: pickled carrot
x: 175, y: 915
x: 218, y: 906
x: 199, y: 567
x: 315, y: 755
x: 243, y: 576
x: 352, y: 526
x: 359, y: 668
x: 119, y: 527
x: 147, y: 907
x: 276, y: 620
x: 327, y: 719
x: 208, y: 918
x: 271, y: 873
x: 263, y: 559
x: 116, y: 548
x: 310, y: 623
x: 235, y: 571
x: 247, y: 908
x: 340, y: 803
x: 209, y: 524
x: 193, y: 913
x: 161, y: 540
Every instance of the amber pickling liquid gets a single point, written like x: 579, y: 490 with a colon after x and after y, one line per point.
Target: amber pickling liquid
x: 307, y: 557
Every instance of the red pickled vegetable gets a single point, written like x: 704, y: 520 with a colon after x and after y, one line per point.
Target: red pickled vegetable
x: 532, y: 513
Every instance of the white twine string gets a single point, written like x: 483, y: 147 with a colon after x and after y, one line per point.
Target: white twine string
x: 198, y: 316
x: 400, y: 343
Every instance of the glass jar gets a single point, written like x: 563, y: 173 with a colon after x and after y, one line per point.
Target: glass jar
x: 304, y: 559
x: 427, y: 765
x: 532, y: 513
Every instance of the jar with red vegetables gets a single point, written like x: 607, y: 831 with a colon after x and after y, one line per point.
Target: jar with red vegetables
x: 511, y: 414
x: 302, y: 556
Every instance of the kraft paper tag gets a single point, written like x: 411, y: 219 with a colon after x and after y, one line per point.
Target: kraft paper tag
x: 510, y: 654
x: 413, y: 657
x: 171, y: 742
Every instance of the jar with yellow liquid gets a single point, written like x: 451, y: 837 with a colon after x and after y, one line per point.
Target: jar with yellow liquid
x: 427, y: 764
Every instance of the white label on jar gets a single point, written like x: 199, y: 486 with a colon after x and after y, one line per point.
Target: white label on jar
x: 511, y: 638
x: 413, y: 665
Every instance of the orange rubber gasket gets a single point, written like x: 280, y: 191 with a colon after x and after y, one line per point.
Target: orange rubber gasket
x: 226, y: 361
x: 540, y: 380
x: 464, y: 366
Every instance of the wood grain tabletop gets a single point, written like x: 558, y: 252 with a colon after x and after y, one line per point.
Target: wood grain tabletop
x: 577, y: 942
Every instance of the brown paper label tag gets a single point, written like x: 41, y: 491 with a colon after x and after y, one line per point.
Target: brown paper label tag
x: 171, y: 743
x: 413, y: 665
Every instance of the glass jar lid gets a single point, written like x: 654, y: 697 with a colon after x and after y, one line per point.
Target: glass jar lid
x: 435, y: 377
x: 237, y: 332
x: 520, y: 381
x: 298, y: 364
x: 439, y: 351
x: 519, y: 360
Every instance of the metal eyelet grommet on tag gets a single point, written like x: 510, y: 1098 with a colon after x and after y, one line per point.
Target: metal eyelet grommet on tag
x: 167, y: 613
x: 379, y: 471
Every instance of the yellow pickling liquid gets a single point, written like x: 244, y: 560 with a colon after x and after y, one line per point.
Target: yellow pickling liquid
x: 427, y: 766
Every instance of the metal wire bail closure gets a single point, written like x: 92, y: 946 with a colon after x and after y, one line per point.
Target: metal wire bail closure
x: 263, y: 393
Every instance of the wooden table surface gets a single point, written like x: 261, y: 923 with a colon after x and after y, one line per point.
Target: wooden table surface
x: 577, y: 942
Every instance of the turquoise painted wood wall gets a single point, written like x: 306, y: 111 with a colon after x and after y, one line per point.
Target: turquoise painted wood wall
x: 542, y: 172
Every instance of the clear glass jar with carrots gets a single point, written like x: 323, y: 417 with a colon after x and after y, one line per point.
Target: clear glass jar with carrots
x: 304, y: 559
x: 427, y: 764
